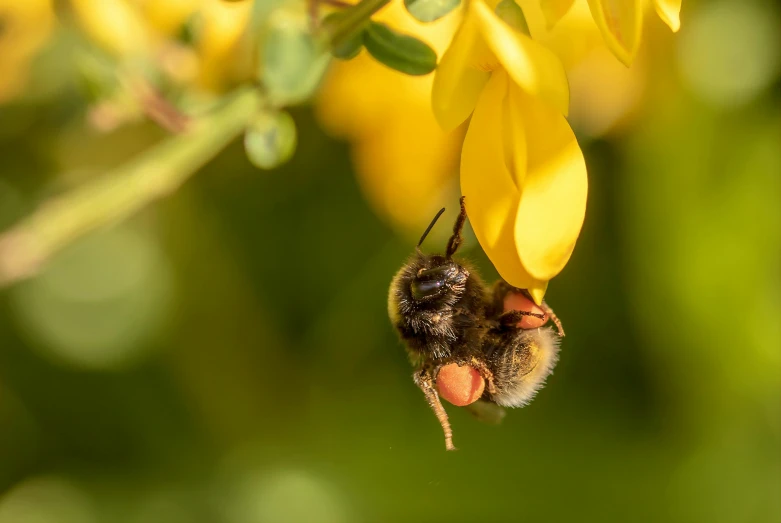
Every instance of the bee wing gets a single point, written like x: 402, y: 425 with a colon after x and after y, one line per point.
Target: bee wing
x: 486, y: 412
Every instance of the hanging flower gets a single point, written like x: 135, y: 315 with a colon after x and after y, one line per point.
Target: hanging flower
x: 24, y: 28
x: 620, y: 22
x: 522, y: 171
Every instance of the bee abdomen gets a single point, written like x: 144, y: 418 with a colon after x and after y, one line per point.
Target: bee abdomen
x: 520, y: 361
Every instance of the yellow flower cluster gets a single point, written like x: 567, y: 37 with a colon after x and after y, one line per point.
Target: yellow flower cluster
x: 134, y: 31
x: 521, y: 168
x: 522, y: 172
x: 404, y: 161
x: 143, y: 28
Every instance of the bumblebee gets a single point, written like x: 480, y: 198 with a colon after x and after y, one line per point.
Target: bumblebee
x: 449, y: 319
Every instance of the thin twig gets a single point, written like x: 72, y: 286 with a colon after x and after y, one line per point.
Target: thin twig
x: 158, y: 109
x: 123, y: 191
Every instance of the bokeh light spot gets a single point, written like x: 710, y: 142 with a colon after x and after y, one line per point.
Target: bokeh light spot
x: 730, y: 51
x: 47, y: 499
x: 98, y: 301
x: 285, y: 496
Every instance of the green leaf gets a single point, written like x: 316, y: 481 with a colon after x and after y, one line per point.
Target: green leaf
x: 350, y: 47
x: 430, y: 10
x: 270, y: 139
x: 398, y: 51
x: 292, y: 64
x: 512, y: 14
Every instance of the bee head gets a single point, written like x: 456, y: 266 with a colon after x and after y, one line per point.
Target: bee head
x: 428, y: 293
x: 437, y: 277
x: 431, y: 283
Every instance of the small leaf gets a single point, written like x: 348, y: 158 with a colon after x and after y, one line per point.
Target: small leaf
x: 512, y: 14
x: 270, y: 139
x: 351, y: 47
x: 398, y: 51
x: 292, y: 64
x: 430, y: 10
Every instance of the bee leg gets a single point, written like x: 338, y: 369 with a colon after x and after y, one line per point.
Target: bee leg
x: 482, y: 367
x: 499, y: 292
x: 426, y: 384
x: 555, y: 319
x: 456, y: 240
x: 511, y: 318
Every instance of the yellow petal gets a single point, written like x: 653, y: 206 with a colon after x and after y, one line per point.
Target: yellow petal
x: 621, y: 25
x: 537, y: 291
x: 491, y: 195
x: 460, y: 76
x: 670, y: 12
x: 554, y: 10
x: 514, y: 135
x: 553, y: 200
x: 531, y: 65
x: 116, y: 25
x: 168, y: 16
x: 220, y: 39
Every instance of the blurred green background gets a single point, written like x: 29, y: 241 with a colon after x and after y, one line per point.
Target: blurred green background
x: 225, y: 355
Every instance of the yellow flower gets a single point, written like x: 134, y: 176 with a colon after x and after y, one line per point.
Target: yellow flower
x: 619, y: 21
x: 405, y: 163
x: 115, y: 25
x: 522, y: 171
x: 24, y: 28
x: 220, y: 39
x: 143, y: 28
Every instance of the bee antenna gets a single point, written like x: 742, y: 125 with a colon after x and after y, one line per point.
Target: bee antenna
x: 431, y: 226
x: 456, y: 240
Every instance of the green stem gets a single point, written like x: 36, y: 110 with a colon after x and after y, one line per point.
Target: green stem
x: 123, y: 191
x: 353, y: 20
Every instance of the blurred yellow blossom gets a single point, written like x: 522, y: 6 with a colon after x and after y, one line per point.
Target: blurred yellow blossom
x: 168, y: 16
x: 604, y: 93
x: 522, y: 171
x: 620, y: 22
x: 24, y: 27
x: 404, y: 160
x: 132, y: 29
x: 670, y: 12
x: 405, y: 165
x: 223, y: 25
x: 115, y: 25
